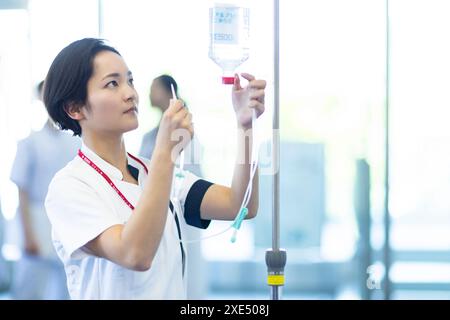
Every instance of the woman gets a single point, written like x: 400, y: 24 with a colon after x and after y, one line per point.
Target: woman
x: 113, y: 222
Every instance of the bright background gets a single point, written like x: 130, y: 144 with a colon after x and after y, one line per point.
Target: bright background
x: 333, y: 102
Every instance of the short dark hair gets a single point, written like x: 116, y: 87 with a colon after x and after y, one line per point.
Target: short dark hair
x: 166, y: 80
x: 67, y: 78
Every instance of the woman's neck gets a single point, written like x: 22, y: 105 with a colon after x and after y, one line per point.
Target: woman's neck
x: 110, y: 148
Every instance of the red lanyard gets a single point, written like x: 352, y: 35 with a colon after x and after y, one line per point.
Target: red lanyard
x: 105, y: 176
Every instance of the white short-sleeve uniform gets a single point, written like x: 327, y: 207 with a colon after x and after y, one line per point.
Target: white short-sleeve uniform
x: 81, y: 205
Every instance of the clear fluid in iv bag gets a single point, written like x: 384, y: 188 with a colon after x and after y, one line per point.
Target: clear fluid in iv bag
x: 229, y: 29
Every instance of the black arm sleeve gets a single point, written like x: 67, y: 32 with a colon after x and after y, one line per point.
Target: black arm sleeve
x: 193, y: 202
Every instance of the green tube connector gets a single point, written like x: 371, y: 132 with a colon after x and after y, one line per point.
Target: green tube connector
x: 237, y: 223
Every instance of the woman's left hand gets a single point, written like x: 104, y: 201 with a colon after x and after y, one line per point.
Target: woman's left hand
x: 248, y: 98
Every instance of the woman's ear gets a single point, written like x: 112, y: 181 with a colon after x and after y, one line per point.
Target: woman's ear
x: 74, y: 111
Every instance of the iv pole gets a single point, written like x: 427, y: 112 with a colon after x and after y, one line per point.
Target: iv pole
x: 276, y: 257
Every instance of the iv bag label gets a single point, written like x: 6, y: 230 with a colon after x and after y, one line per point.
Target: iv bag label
x: 225, y: 22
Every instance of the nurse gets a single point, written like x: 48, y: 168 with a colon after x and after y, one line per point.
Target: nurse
x: 113, y: 223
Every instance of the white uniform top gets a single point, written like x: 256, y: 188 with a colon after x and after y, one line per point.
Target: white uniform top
x: 38, y: 158
x: 81, y: 205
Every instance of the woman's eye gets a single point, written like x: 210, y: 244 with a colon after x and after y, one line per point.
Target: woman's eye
x: 131, y: 81
x: 112, y: 84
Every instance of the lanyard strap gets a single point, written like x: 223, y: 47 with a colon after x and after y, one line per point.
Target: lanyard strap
x: 139, y: 161
x: 108, y: 179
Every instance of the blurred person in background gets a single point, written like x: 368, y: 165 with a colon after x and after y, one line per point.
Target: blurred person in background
x: 160, y: 95
x: 39, y: 273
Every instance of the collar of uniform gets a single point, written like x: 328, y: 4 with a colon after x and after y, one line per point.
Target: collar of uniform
x: 106, y: 167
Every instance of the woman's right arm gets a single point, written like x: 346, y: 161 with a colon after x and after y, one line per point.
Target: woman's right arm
x: 30, y: 241
x: 134, y: 244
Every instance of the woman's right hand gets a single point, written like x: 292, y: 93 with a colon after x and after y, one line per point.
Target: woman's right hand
x: 175, y: 129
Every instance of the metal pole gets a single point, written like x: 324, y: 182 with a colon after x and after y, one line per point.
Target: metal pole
x: 276, y: 128
x: 276, y: 257
x: 387, y: 220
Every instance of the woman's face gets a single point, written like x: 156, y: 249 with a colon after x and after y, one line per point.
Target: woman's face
x: 159, y: 97
x: 111, y: 98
